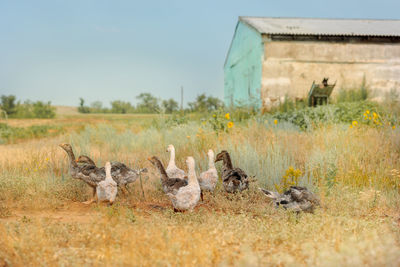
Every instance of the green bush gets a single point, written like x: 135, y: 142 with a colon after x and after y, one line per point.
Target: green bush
x: 36, y: 109
x: 10, y: 134
x: 345, y: 112
x: 353, y: 94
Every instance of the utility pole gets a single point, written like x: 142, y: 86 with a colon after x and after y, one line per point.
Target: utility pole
x: 181, y: 99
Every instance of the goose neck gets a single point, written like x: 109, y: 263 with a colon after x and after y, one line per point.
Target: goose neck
x: 72, y: 158
x: 161, y: 169
x: 227, y: 161
x: 192, y: 178
x: 108, y: 174
x: 172, y: 158
x: 211, y: 163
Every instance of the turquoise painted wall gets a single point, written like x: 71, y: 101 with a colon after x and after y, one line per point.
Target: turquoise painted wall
x: 243, y: 68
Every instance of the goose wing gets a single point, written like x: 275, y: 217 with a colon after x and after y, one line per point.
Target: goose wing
x: 235, y: 173
x: 299, y: 194
x: 173, y: 184
x: 175, y: 172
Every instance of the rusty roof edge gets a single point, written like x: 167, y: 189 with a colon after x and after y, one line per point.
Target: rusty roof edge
x: 254, y: 22
x: 314, y: 18
x: 329, y: 34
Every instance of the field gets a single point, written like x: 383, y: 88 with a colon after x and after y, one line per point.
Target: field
x: 355, y: 171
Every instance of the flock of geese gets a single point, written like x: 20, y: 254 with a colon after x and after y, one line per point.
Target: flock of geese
x: 183, y: 189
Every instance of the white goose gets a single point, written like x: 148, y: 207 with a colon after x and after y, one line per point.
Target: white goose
x: 107, y: 189
x: 208, y: 179
x: 172, y: 170
x: 187, y: 197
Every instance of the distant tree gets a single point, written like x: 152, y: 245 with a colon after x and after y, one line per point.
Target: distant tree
x: 200, y: 104
x: 97, y: 107
x: 148, y: 103
x: 170, y: 105
x: 204, y: 103
x: 38, y: 109
x: 43, y: 110
x: 121, y: 107
x: 8, y: 104
x: 82, y: 108
x: 213, y: 103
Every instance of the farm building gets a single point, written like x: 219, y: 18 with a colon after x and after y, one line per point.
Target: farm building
x: 270, y: 58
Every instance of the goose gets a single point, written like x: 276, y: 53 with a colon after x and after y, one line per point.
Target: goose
x: 121, y: 174
x: 172, y: 170
x: 107, y: 189
x: 233, y: 179
x: 90, y: 174
x: 169, y: 184
x: 187, y: 197
x: 208, y: 179
x: 296, y: 198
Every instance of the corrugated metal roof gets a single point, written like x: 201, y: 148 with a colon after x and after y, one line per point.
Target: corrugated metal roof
x: 312, y: 26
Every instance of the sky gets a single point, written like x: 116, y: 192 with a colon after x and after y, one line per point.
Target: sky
x: 61, y: 50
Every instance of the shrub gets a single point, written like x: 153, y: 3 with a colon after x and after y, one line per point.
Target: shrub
x: 82, y: 108
x: 36, y: 109
x: 121, y: 107
x: 8, y: 104
x: 220, y: 121
x: 339, y: 113
x: 291, y: 178
x: 353, y: 94
x: 10, y: 134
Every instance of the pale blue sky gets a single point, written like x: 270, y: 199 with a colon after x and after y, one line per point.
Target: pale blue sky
x: 107, y: 50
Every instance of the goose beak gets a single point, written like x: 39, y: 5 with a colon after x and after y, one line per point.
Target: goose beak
x: 149, y: 158
x: 76, y: 160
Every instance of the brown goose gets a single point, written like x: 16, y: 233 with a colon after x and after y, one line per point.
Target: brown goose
x: 169, y: 185
x: 296, y: 198
x: 233, y: 179
x: 87, y: 173
x: 120, y: 173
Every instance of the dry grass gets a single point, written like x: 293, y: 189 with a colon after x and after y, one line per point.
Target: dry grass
x: 43, y: 223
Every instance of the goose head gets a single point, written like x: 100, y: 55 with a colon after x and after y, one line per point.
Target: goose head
x: 154, y: 160
x: 66, y: 147
x: 170, y: 148
x: 221, y: 155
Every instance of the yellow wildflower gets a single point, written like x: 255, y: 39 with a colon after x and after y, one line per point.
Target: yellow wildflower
x: 275, y: 122
x: 188, y: 136
x: 375, y: 115
x: 394, y: 127
x: 354, y: 123
x: 46, y: 159
x: 227, y: 116
x: 367, y: 111
x: 230, y: 124
x: 351, y: 126
x: 214, y: 115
